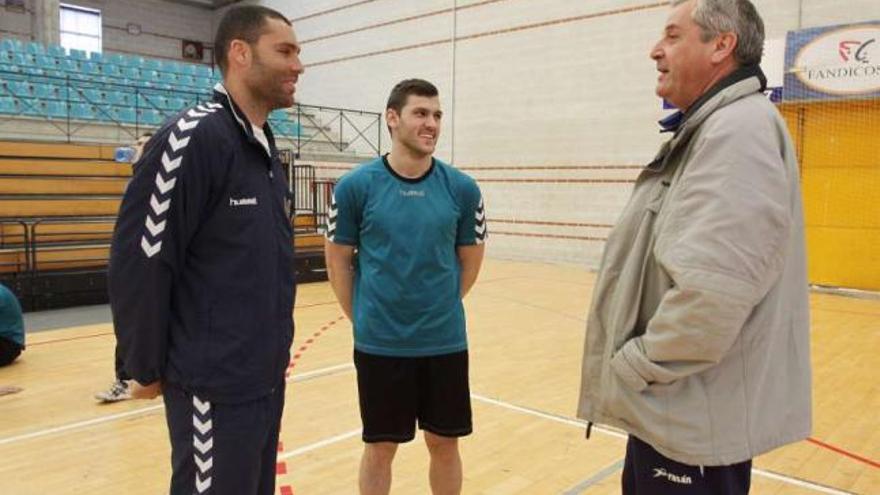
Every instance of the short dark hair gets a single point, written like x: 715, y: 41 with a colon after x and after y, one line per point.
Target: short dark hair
x: 245, y: 23
x: 401, y: 91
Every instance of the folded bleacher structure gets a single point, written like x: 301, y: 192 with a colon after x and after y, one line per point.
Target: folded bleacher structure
x: 48, y: 82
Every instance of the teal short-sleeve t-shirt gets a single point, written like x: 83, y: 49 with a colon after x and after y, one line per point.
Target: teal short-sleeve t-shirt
x: 407, y: 280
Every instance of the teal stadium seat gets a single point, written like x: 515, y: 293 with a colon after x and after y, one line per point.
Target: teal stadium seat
x: 45, y: 91
x: 47, y: 62
x: 56, y: 109
x: 119, y: 98
x: 176, y: 104
x: 69, y: 65
x: 56, y: 51
x: 78, y: 54
x: 20, y: 88
x: 90, y: 68
x: 13, y: 45
x: 30, y: 106
x: 35, y: 48
x: 96, y: 57
x: 7, y: 105
x: 126, y: 115
x: 82, y: 111
x: 150, y: 117
x: 111, y: 70
x: 149, y: 75
x: 152, y: 64
x: 115, y: 59
x: 21, y: 59
x: 186, y: 80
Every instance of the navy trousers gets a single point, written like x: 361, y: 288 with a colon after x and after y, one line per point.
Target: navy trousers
x: 647, y: 472
x: 223, y: 449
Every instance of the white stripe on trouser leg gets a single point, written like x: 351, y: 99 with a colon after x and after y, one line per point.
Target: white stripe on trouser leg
x: 203, y: 443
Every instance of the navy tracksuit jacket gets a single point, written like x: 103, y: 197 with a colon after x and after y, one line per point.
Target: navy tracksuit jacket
x: 201, y: 269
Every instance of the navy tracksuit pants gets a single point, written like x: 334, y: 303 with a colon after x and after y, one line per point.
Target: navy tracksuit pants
x: 223, y: 449
x: 647, y: 472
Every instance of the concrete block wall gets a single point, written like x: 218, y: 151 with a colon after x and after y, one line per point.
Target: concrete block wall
x: 163, y: 25
x: 549, y: 103
x: 15, y: 23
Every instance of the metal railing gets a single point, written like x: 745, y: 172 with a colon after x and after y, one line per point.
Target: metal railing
x: 318, y: 129
x: 343, y: 130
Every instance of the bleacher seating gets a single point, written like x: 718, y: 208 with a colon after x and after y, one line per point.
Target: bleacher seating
x: 46, y: 82
x: 58, y: 206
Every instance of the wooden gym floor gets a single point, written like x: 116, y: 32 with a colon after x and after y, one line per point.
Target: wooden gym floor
x: 526, y: 325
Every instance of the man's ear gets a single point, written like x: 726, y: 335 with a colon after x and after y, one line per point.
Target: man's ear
x: 725, y: 45
x: 392, y: 118
x: 239, y: 53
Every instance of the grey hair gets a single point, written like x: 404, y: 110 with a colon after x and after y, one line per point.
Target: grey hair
x: 731, y: 16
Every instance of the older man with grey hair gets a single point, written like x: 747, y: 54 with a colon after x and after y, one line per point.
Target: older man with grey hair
x: 698, y: 336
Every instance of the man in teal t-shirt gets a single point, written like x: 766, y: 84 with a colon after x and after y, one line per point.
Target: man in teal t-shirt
x: 418, y: 227
x: 11, y: 327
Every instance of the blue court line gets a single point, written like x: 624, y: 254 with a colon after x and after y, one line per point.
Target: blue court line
x: 596, y: 478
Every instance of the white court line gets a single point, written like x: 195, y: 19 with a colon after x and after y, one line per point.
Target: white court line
x: 80, y: 424
x: 617, y: 433
x: 614, y: 432
x: 801, y: 483
x: 144, y: 410
x: 321, y: 443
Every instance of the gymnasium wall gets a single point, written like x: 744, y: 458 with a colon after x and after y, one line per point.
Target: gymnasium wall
x: 163, y: 25
x: 15, y: 23
x: 549, y: 103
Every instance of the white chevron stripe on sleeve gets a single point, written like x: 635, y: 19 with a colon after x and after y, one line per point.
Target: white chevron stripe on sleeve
x: 177, y: 145
x: 185, y: 125
x: 150, y: 249
x: 202, y: 485
x: 202, y: 407
x: 159, y: 208
x: 203, y: 427
x: 205, y: 465
x: 203, y: 447
x: 155, y: 228
x: 163, y: 185
x: 169, y: 164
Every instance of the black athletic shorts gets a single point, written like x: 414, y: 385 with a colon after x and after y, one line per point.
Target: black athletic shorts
x: 394, y: 392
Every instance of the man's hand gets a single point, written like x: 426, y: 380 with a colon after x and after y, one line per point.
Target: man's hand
x: 148, y: 392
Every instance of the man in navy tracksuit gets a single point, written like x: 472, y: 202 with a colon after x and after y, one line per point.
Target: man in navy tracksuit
x: 201, y: 269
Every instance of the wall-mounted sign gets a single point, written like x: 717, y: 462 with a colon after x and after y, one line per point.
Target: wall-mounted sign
x: 833, y: 62
x: 193, y: 50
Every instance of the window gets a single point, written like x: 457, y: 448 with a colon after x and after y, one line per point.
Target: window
x: 80, y: 28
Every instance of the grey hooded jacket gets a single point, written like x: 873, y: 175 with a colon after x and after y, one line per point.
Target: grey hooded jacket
x: 698, y: 335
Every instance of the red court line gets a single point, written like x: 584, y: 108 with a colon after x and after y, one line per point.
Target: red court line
x: 845, y: 453
x: 281, y: 467
x: 548, y: 236
x: 81, y: 337
x: 554, y: 224
x: 555, y: 181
